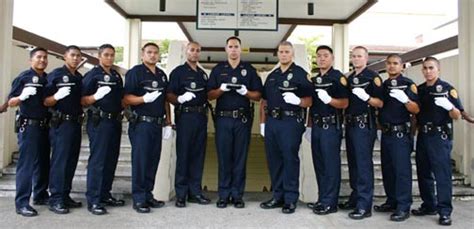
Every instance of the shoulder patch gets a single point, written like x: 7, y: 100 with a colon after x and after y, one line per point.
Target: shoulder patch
x: 413, y: 88
x: 378, y: 81
x: 343, y: 81
x: 453, y: 93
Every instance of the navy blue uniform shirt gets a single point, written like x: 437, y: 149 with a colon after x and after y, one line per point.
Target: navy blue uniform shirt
x: 371, y: 82
x: 185, y: 79
x: 393, y: 111
x: 335, y: 83
x: 140, y: 80
x: 429, y: 111
x: 97, y: 77
x: 61, y: 77
x: 244, y: 74
x: 32, y: 107
x: 294, y: 79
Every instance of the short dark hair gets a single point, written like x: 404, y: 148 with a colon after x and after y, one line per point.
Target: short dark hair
x: 105, y: 46
x: 72, y: 47
x: 233, y: 38
x: 324, y: 47
x: 394, y: 55
x: 150, y: 44
x: 37, y: 49
x: 431, y: 58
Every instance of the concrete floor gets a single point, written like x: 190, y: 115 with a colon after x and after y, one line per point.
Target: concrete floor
x: 197, y: 216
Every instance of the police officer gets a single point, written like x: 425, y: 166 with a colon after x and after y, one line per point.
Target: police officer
x: 27, y: 92
x: 233, y: 83
x: 63, y: 93
x: 102, y: 92
x: 287, y: 92
x: 366, y: 88
x: 439, y: 104
x: 399, y: 103
x: 187, y: 91
x: 330, y: 96
x: 144, y: 85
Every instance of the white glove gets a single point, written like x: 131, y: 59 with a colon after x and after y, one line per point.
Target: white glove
x: 324, y: 96
x: 291, y: 98
x: 101, y: 92
x: 307, y: 134
x: 150, y: 97
x: 243, y: 90
x: 399, y: 95
x: 444, y: 103
x: 187, y: 96
x: 262, y: 129
x: 359, y: 92
x: 61, y: 93
x: 224, y: 87
x: 27, y: 92
x: 167, y: 131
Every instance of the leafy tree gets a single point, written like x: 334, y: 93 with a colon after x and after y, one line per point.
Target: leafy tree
x: 311, y: 44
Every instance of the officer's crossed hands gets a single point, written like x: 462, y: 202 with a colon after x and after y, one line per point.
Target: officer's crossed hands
x: 26, y: 93
x: 399, y: 95
x: 444, y: 103
x: 360, y: 92
x: 224, y: 87
x: 187, y: 96
x: 324, y: 96
x: 62, y: 93
x: 101, y: 92
x: 149, y: 97
x: 291, y: 98
x: 242, y: 90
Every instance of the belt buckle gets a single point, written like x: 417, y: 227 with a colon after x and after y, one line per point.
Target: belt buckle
x: 235, y: 114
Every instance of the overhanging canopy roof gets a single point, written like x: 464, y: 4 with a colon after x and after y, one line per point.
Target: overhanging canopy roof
x: 262, y: 44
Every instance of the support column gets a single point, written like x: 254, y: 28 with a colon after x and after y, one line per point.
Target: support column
x: 464, y: 140
x: 132, y: 49
x: 340, y: 46
x: 7, y: 138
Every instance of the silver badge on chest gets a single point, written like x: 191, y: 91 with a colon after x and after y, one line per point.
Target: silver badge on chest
x: 65, y: 79
x: 393, y: 82
x: 234, y: 79
x: 35, y: 79
x: 193, y: 85
x: 319, y: 80
x: 290, y: 76
x: 439, y: 88
x: 286, y: 83
x: 355, y: 80
x: 106, y: 78
x: 154, y: 84
x: 243, y: 72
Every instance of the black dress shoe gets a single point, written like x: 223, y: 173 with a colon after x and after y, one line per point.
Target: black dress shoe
x: 288, y: 208
x: 360, y: 214
x: 70, y: 203
x: 154, y: 203
x: 59, y: 208
x: 384, y: 208
x: 423, y: 211
x: 238, y: 203
x: 200, y: 199
x: 312, y: 205
x: 112, y: 202
x: 141, y: 207
x: 272, y: 203
x: 222, y: 203
x: 400, y: 216
x: 324, y: 210
x: 348, y: 205
x: 42, y: 201
x: 445, y: 220
x: 97, y: 209
x: 26, y: 211
x: 180, y: 203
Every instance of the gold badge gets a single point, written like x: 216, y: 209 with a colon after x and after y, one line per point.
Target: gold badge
x: 414, y: 89
x: 453, y: 93
x: 377, y: 81
x: 343, y: 81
